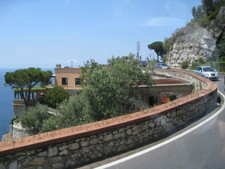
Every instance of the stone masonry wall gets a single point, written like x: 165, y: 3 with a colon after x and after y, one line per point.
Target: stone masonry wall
x: 198, y: 83
x: 73, y: 146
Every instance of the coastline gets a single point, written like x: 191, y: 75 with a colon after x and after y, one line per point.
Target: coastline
x: 6, y: 101
x: 6, y: 108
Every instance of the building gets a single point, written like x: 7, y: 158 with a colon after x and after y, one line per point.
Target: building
x: 163, y: 91
x: 69, y: 79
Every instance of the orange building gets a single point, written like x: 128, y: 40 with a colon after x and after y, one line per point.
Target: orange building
x: 69, y: 79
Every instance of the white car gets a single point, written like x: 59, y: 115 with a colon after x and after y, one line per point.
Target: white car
x: 207, y: 72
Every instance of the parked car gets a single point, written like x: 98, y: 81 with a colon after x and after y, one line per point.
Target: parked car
x: 143, y: 63
x: 207, y: 72
x: 162, y: 65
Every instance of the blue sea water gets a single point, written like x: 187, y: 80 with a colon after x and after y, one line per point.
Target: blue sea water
x: 6, y: 100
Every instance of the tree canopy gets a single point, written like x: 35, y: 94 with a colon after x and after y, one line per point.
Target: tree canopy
x: 205, y: 13
x: 26, y: 79
x: 108, y: 91
x: 87, y: 69
x: 71, y: 113
x: 221, y: 52
x: 33, y: 118
x: 158, y: 48
x: 54, y: 96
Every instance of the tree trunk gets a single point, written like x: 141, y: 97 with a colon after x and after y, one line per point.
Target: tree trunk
x: 23, y: 97
x: 28, y: 97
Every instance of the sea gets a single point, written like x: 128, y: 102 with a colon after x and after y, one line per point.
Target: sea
x: 6, y: 102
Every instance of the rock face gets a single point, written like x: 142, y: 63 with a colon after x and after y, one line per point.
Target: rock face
x: 192, y: 46
x: 198, y: 42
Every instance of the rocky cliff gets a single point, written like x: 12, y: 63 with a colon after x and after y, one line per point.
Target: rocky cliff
x: 197, y: 42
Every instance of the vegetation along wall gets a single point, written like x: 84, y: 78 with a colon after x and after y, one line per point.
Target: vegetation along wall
x: 73, y: 146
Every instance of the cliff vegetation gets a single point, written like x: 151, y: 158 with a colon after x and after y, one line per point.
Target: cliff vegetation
x: 202, y: 40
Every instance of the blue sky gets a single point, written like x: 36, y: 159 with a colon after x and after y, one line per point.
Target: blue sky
x: 43, y: 33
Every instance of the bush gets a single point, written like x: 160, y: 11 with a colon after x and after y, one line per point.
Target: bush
x: 55, y: 96
x: 194, y: 65
x: 108, y: 91
x: 220, y: 66
x: 52, y: 123
x: 165, y: 57
x: 185, y: 64
x: 201, y: 60
x: 33, y: 118
x: 71, y: 113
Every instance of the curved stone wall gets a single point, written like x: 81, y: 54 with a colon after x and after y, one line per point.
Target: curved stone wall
x: 81, y: 144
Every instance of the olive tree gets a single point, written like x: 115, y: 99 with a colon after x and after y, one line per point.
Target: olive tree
x: 71, y: 113
x: 33, y: 118
x: 110, y: 91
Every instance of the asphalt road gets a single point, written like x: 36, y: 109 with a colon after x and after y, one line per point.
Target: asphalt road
x: 199, y: 146
x: 221, y: 83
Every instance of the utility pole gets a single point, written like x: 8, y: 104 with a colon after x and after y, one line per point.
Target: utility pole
x: 138, y: 49
x: 71, y: 63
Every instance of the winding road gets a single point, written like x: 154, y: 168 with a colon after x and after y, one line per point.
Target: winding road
x: 199, y: 146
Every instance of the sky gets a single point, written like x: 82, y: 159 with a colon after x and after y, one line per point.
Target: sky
x: 43, y: 33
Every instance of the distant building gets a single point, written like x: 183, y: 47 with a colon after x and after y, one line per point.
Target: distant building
x: 69, y: 79
x: 163, y: 89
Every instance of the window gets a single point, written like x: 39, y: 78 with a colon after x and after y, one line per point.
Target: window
x: 199, y: 69
x: 77, y: 81
x: 64, y: 81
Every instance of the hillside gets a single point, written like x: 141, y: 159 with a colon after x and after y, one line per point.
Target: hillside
x: 199, y: 42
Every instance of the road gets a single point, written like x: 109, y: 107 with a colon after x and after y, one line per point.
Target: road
x: 221, y: 83
x: 200, y: 146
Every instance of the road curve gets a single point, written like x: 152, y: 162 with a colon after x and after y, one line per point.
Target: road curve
x: 199, y: 146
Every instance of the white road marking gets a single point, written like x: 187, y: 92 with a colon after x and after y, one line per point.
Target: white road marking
x: 167, y: 141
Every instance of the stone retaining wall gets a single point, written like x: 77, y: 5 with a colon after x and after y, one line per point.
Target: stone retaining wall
x: 73, y: 146
x: 199, y: 84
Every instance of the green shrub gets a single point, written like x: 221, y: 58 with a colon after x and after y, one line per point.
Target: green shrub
x: 52, y: 123
x: 185, y: 64
x: 55, y: 96
x: 165, y: 57
x: 194, y: 65
x: 201, y: 60
x: 33, y: 118
x: 220, y: 66
x: 71, y: 113
x: 107, y: 92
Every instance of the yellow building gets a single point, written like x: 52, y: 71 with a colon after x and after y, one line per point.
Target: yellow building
x: 69, y: 79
